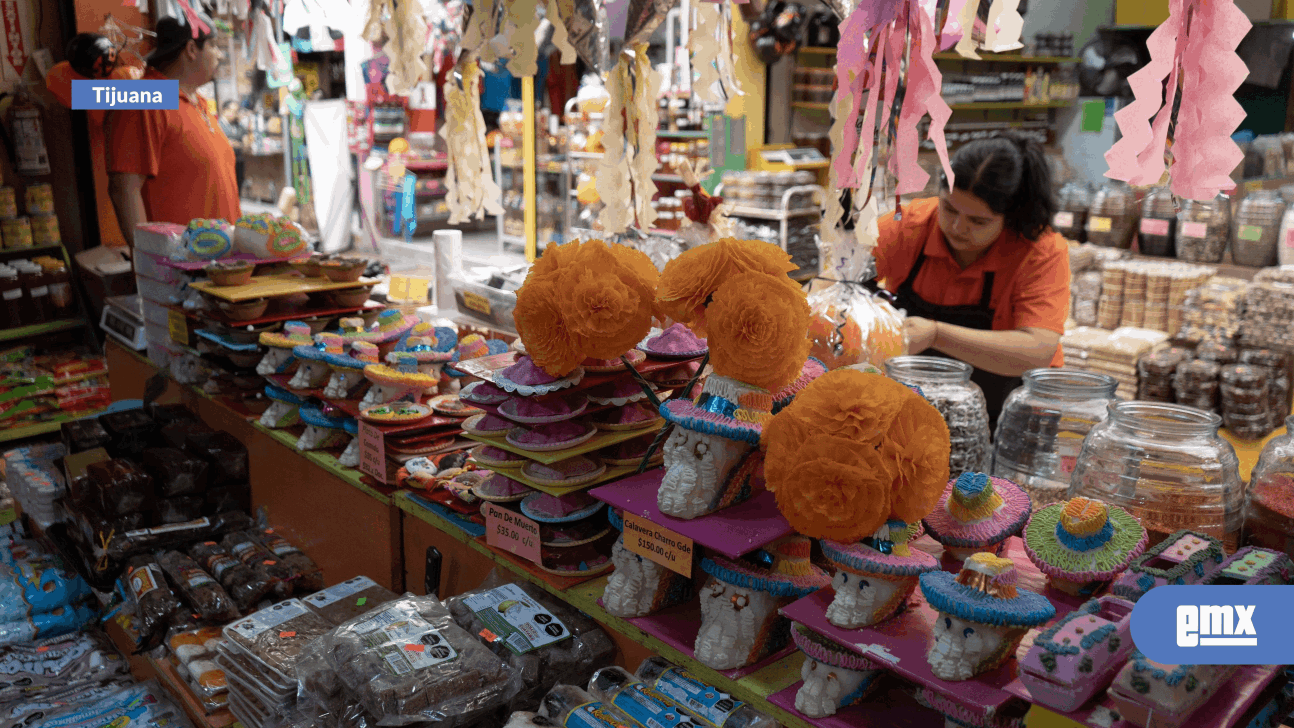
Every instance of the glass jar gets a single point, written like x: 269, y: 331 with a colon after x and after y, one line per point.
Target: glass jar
x: 1072, y: 204
x: 946, y: 384
x: 1256, y: 227
x: 1202, y: 230
x: 1269, y: 503
x: 1042, y: 426
x: 1285, y: 238
x: 1158, y: 218
x: 1113, y: 217
x: 1166, y: 465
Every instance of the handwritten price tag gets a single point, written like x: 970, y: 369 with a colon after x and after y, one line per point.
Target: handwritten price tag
x: 178, y: 326
x: 512, y: 532
x: 372, y: 452
x: 665, y: 547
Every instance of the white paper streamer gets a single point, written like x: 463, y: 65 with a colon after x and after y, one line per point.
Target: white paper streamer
x: 612, y: 182
x: 472, y: 190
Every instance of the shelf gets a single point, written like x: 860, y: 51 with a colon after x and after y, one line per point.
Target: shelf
x: 49, y: 327
x: 667, y: 178
x: 35, y: 249
x: 810, y: 105
x: 818, y: 50
x: 683, y: 134
x: 43, y: 428
x: 1003, y: 105
x: 772, y: 214
x: 1005, y: 58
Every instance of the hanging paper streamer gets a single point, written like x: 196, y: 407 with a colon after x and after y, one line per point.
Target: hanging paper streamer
x: 613, y: 168
x: 561, y: 39
x: 1196, y: 45
x: 716, y: 80
x: 629, y: 144
x: 922, y: 95
x: 523, y: 21
x: 471, y: 189
x: 645, y: 118
x: 406, y: 32
x: 586, y: 25
x: 1002, y: 34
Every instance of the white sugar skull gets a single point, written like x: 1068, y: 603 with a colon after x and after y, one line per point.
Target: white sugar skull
x: 633, y: 586
x: 863, y: 600
x: 275, y: 361
x: 188, y: 369
x: 280, y: 414
x: 964, y: 649
x: 350, y: 456
x: 433, y: 369
x: 381, y: 393
x: 311, y: 374
x: 828, y: 688
x: 732, y: 619
x: 341, y: 383
x: 321, y: 438
x: 696, y: 467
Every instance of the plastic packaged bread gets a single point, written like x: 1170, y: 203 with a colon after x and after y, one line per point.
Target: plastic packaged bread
x: 345, y: 601
x: 154, y: 601
x: 245, y: 585
x: 307, y: 576
x: 409, y: 663
x: 204, y: 594
x: 175, y: 473
x: 244, y: 547
x: 276, y: 636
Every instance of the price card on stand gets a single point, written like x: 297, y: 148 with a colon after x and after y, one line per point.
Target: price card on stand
x: 512, y: 532
x: 372, y: 452
x: 661, y: 545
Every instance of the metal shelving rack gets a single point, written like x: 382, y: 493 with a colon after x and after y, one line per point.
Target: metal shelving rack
x: 783, y: 213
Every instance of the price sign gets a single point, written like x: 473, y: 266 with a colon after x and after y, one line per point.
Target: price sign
x: 1063, y: 220
x: 476, y: 302
x: 179, y: 327
x: 665, y: 547
x: 1152, y: 226
x: 399, y: 288
x: 512, y: 532
x: 1194, y: 229
x: 1099, y: 224
x: 1250, y: 232
x: 372, y: 452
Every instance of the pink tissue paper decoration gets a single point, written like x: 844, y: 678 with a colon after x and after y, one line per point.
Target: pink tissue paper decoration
x: 1196, y: 45
x: 952, y: 31
x: 923, y: 94
x: 867, y: 20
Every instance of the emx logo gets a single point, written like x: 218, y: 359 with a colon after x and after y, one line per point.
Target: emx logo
x: 1215, y: 625
x: 1212, y: 625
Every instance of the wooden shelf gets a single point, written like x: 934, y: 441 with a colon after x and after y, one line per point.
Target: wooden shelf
x: 810, y: 105
x: 49, y: 327
x: 817, y: 50
x: 1005, y: 58
x: 683, y: 134
x: 1006, y: 105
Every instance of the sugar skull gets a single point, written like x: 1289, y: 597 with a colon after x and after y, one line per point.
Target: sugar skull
x: 875, y: 577
x: 275, y: 361
x: 280, y: 414
x: 834, y: 677
x: 732, y: 620
x: 640, y: 586
x: 350, y: 456
x: 343, y: 382
x: 696, y: 466
x: 311, y: 374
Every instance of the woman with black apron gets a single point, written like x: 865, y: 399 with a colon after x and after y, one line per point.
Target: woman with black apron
x: 981, y: 274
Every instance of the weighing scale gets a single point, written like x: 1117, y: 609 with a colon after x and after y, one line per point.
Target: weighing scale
x: 123, y: 320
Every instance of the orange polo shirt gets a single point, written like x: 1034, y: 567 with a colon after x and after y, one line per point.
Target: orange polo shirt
x: 1031, y: 278
x: 185, y: 156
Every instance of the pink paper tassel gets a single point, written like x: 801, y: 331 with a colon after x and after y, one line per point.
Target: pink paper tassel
x: 923, y: 87
x: 851, y: 72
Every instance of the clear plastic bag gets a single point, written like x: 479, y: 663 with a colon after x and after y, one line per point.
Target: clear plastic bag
x: 48, y: 666
x: 154, y: 602
x: 306, y: 574
x: 851, y: 326
x: 201, y: 590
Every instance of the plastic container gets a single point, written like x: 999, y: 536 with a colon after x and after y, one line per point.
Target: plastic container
x: 1256, y: 229
x: 1202, y: 230
x: 1158, y: 220
x: 1112, y: 219
x: 1072, y: 205
x: 1042, y: 426
x: 1166, y: 465
x: 707, y: 705
x: 946, y: 384
x: 1269, y: 502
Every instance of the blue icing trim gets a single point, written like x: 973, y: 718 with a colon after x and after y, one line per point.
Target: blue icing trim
x: 741, y: 434
x: 1141, y: 664
x: 972, y: 484
x: 1097, y: 636
x: 617, y: 522
x: 280, y: 394
x: 1046, y: 638
x: 1085, y: 543
x: 1007, y: 530
x: 944, y: 594
x: 1199, y: 570
x: 1145, y: 581
x: 749, y: 581
x: 861, y: 690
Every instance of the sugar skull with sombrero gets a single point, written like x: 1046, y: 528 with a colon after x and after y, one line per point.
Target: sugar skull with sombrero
x: 874, y: 577
x: 740, y: 623
x: 278, y: 357
x: 639, y: 586
x: 432, y: 347
x: 982, y: 616
x: 347, y: 380
x: 323, y: 431
x: 284, y: 409
x: 834, y: 676
x: 978, y: 512
x: 390, y: 329
x: 350, y: 456
x: 400, y: 380
x: 313, y: 371
x: 1082, y: 544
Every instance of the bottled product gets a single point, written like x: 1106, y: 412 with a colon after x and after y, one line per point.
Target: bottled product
x: 1042, y: 427
x: 1285, y: 238
x: 35, y: 290
x: 1269, y: 506
x: 946, y: 384
x: 60, y: 289
x: 1072, y: 204
x: 1256, y: 228
x: 1202, y: 230
x: 1113, y: 217
x: 1158, y: 218
x: 1166, y: 465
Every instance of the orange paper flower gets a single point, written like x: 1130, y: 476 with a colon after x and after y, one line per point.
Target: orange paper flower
x: 784, y: 436
x: 691, y: 279
x: 756, y: 331
x: 556, y: 258
x: 917, y: 443
x: 542, y: 327
x: 841, y: 494
x: 837, y: 400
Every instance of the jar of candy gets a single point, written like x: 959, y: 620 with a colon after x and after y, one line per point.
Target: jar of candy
x: 946, y: 384
x: 1269, y: 503
x: 1113, y: 218
x: 1256, y: 227
x: 1202, y: 230
x: 1158, y: 218
x: 1072, y: 204
x: 1167, y: 465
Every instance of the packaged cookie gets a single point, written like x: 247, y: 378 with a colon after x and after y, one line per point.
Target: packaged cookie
x: 154, y: 602
x: 1263, y: 358
x: 244, y: 547
x: 275, y: 636
x: 409, y: 663
x: 345, y: 601
x: 1244, y: 376
x: 203, y: 593
x: 1215, y: 352
x: 174, y: 473
x: 253, y: 675
x: 545, y: 640
x: 175, y: 534
x: 307, y: 575
x: 36, y: 669
x: 226, y: 456
x: 245, y: 585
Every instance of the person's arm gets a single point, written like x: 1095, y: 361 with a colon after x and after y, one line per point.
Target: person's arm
x: 1009, y: 353
x: 127, y: 193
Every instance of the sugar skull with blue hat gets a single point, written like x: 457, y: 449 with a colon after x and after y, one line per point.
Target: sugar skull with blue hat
x: 400, y: 379
x: 284, y: 410
x: 350, y: 456
x: 280, y: 345
x: 313, y: 371
x: 347, y: 380
x: 323, y: 431
x: 875, y: 577
x: 432, y: 347
x: 639, y: 586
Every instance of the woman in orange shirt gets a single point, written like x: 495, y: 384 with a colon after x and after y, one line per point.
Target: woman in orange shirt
x: 979, y: 270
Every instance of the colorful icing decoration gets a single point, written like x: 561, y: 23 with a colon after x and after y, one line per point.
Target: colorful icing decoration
x: 1253, y: 565
x: 294, y: 334
x: 977, y: 512
x: 396, y: 413
x: 874, y: 578
x: 390, y: 326
x: 1185, y: 557
x: 252, y: 233
x: 286, y: 239
x: 1160, y: 696
x: 812, y: 370
x: 834, y: 676
x: 726, y: 408
x: 1082, y: 544
x: 209, y: 238
x: 1077, y: 657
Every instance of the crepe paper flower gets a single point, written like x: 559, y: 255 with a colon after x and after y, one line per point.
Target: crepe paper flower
x: 842, y: 495
x: 837, y: 401
x: 917, y: 442
x: 541, y: 325
x: 783, y: 437
x: 689, y: 281
x: 608, y: 315
x: 757, y: 329
x: 555, y: 259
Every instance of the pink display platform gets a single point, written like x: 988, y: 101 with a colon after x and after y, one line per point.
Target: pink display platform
x: 1225, y: 709
x: 192, y: 265
x: 678, y: 627
x: 906, y: 638
x: 732, y: 531
x: 889, y: 706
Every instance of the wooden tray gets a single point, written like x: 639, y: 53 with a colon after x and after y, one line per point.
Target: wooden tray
x: 287, y: 284
x: 612, y: 472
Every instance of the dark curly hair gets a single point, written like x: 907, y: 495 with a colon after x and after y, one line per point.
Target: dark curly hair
x: 1010, y: 174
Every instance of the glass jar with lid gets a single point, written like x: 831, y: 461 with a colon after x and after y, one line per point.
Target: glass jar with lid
x: 1269, y: 502
x: 1112, y: 219
x: 946, y: 384
x: 1166, y: 465
x: 1158, y: 218
x: 1072, y: 204
x: 1042, y: 426
x: 1202, y: 230
x: 1256, y: 227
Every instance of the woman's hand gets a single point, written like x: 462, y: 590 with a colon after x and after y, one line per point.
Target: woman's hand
x: 920, y: 333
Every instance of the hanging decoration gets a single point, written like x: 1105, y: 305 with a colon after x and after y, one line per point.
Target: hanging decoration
x: 405, y: 29
x: 710, y: 43
x: 1195, y: 50
x: 629, y: 144
x: 472, y: 190
x: 585, y: 23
